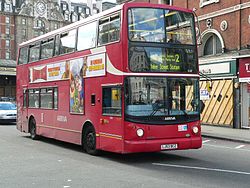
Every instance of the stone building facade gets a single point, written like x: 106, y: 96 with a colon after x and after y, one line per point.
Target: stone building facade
x: 22, y: 20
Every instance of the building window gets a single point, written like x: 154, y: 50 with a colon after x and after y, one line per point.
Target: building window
x: 167, y: 2
x: 7, y: 7
x: 39, y: 23
x: 56, y: 26
x: 64, y: 7
x: 36, y: 33
x: 7, y: 43
x: 207, y: 2
x: 72, y: 9
x: 7, y: 20
x: 24, y: 33
x: 212, y: 46
x: 7, y: 55
x: 23, y: 21
x: 79, y: 9
x: 66, y: 17
x: 7, y: 30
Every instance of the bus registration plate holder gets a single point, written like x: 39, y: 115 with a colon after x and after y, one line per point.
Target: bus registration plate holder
x: 169, y: 146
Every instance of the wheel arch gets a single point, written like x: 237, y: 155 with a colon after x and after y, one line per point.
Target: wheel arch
x: 86, y: 124
x: 30, y: 118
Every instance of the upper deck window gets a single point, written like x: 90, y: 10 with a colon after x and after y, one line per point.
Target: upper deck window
x: 47, y: 48
x: 34, y: 52
x: 23, y: 56
x: 159, y: 25
x: 68, y: 42
x: 109, y: 29
x: 86, y: 36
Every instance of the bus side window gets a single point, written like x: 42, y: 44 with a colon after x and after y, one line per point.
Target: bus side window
x: 111, y: 101
x: 57, y: 46
x: 109, y: 29
x: 86, y: 36
x: 47, y: 47
x: 34, y: 54
x: 25, y: 98
x: 68, y: 42
x: 23, y: 56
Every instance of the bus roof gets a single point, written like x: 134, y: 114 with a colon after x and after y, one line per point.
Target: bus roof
x: 73, y: 25
x: 96, y: 16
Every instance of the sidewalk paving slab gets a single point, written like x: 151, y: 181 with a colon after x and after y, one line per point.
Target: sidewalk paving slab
x: 226, y: 133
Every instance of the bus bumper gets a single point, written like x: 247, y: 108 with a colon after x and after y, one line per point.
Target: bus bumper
x: 157, y: 145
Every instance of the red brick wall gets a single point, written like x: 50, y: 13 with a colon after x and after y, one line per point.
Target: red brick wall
x: 237, y: 35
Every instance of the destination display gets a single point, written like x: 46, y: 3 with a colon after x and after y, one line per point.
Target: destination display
x: 150, y: 59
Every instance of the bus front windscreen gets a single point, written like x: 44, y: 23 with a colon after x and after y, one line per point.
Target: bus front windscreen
x: 161, y: 100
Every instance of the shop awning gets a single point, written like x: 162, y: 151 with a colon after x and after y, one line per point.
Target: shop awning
x: 7, y: 67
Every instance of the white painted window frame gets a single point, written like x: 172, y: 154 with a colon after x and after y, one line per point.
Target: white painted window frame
x: 207, y: 2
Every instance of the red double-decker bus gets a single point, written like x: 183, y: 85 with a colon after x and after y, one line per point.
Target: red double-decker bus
x: 125, y: 80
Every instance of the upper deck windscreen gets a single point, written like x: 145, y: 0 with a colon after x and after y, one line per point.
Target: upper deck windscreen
x: 161, y: 40
x: 159, y: 25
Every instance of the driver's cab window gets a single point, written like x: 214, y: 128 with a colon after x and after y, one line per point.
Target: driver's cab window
x: 111, y: 101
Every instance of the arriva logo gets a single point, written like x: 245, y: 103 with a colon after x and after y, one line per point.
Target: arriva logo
x: 169, y: 118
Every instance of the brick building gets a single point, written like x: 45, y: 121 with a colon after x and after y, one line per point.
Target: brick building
x: 224, y: 56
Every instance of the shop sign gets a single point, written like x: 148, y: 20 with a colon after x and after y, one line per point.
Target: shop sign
x: 204, y: 94
x: 215, y: 68
x: 244, y: 70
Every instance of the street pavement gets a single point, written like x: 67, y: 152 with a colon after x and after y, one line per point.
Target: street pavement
x: 226, y: 133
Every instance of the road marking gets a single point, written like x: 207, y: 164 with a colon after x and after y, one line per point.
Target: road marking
x: 66, y: 186
x: 225, y: 147
x: 205, y: 141
x: 240, y: 146
x: 203, y: 168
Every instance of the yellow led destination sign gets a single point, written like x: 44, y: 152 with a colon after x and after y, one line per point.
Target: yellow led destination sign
x: 171, y: 60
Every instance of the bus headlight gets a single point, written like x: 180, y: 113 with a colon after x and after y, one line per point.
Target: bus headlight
x: 195, y: 130
x: 140, y: 132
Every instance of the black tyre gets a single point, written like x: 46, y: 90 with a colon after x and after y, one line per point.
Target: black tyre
x: 33, y: 134
x: 89, y: 141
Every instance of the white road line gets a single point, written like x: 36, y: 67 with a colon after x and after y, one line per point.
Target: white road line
x: 225, y: 147
x: 202, y: 168
x: 205, y: 141
x: 240, y: 146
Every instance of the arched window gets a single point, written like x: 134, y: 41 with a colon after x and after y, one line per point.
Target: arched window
x: 212, y: 45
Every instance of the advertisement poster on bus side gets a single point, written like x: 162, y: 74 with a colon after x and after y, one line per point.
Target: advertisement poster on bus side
x: 58, y: 71
x: 95, y: 65
x: 50, y: 72
x: 76, y: 86
x: 38, y: 74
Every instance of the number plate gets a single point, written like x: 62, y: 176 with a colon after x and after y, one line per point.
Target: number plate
x: 169, y: 146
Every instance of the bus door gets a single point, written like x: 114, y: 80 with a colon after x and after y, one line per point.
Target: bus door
x: 111, y: 129
x: 22, y: 111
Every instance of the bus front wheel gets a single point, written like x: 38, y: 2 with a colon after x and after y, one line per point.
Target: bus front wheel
x: 89, y: 141
x: 32, y: 128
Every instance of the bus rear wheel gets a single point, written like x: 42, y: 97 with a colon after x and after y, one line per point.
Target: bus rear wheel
x: 89, y: 141
x: 33, y: 134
